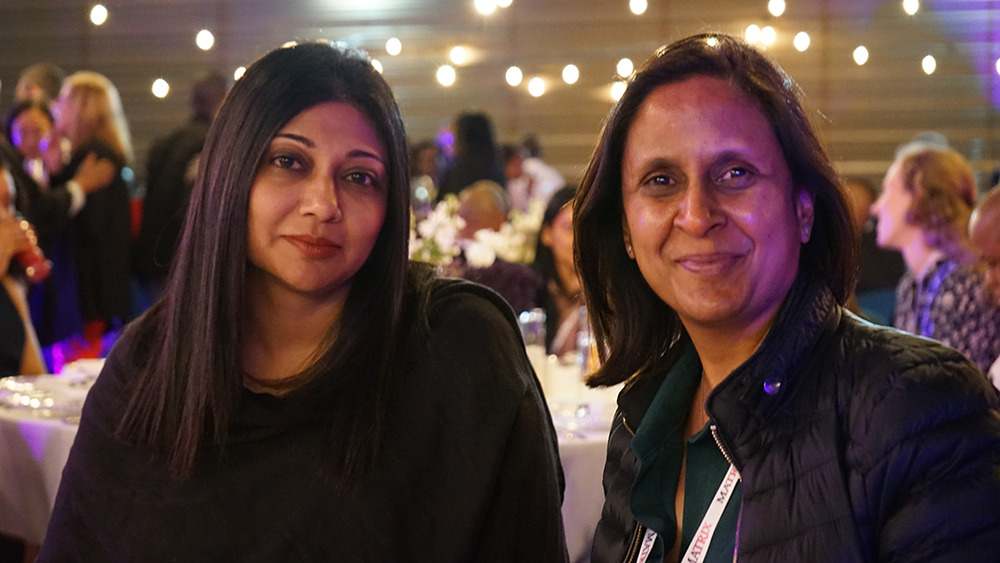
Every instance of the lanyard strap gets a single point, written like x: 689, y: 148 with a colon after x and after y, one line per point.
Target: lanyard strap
x: 698, y: 548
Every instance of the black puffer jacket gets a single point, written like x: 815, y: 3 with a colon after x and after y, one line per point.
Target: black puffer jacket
x: 873, y: 445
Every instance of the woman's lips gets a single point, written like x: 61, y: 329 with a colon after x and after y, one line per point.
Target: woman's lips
x: 313, y: 247
x: 710, y: 264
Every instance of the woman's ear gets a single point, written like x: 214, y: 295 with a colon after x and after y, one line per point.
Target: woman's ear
x: 546, y: 236
x: 806, y: 212
x: 628, y: 238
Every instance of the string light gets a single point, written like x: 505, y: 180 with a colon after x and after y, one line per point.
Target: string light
x: 638, y: 7
x: 393, y: 46
x: 536, y: 86
x: 239, y: 72
x: 752, y: 34
x: 486, y: 7
x: 160, y: 88
x: 929, y: 64
x: 377, y: 66
x: 617, y: 90
x: 514, y: 76
x: 861, y: 55
x: 457, y: 55
x: 625, y: 67
x: 446, y: 75
x: 768, y: 35
x: 712, y: 41
x: 205, y: 40
x: 98, y: 14
x: 801, y: 41
x: 911, y: 7
x: 998, y: 66
x: 776, y: 7
x: 570, y: 74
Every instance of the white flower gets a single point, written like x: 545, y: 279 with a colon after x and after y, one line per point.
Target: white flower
x: 479, y: 255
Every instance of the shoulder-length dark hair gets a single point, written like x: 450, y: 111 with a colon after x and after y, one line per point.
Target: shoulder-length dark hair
x: 190, y: 341
x: 633, y: 327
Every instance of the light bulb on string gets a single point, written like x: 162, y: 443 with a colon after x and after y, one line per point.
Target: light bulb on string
x: 457, y: 55
x: 160, y: 88
x: 98, y: 14
x: 536, y: 86
x: 861, y: 55
x: 768, y: 35
x: 205, y: 40
x: 239, y: 72
x: 514, y: 76
x: 801, y: 41
x: 911, y: 6
x: 618, y: 90
x: 638, y: 7
x: 625, y: 67
x: 776, y: 7
x: 393, y: 46
x: 570, y: 74
x: 486, y: 7
x: 377, y: 65
x: 446, y: 75
x: 752, y: 34
x: 929, y: 64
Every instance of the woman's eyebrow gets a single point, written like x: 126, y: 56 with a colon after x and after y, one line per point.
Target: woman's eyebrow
x: 359, y: 153
x: 298, y: 138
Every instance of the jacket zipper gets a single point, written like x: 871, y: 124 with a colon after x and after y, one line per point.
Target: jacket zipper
x: 633, y: 552
x: 739, y: 517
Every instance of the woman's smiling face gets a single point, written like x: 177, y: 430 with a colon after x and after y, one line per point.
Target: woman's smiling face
x: 711, y: 214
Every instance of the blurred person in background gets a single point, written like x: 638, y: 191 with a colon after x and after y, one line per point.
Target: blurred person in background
x: 171, y: 169
x: 879, y: 269
x: 426, y: 166
x: 19, y: 350
x: 477, y: 156
x: 39, y: 82
x: 544, y: 180
x: 89, y: 115
x: 561, y: 296
x: 984, y: 233
x: 27, y: 124
x: 924, y: 210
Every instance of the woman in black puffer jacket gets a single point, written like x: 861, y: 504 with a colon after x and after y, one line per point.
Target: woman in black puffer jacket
x: 761, y: 422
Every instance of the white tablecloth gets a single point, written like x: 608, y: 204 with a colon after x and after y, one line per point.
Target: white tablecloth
x: 33, y: 451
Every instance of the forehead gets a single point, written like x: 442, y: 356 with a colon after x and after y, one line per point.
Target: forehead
x: 701, y: 111
x: 30, y: 115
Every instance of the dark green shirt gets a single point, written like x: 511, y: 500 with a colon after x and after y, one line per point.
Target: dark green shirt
x: 659, y: 446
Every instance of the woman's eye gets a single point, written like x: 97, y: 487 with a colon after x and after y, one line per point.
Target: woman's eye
x: 737, y: 174
x: 286, y: 162
x: 362, y: 178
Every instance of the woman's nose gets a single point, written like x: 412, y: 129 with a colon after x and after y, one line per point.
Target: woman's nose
x: 319, y: 198
x: 698, y: 211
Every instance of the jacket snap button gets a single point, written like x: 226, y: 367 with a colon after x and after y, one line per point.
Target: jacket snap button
x: 772, y: 386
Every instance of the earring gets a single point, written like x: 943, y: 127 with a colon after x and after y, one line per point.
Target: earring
x: 628, y: 250
x: 806, y: 230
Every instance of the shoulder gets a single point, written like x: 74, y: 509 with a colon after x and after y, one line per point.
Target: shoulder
x: 457, y: 306
x: 903, y: 387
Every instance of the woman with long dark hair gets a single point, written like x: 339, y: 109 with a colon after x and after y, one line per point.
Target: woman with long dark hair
x: 561, y: 296
x: 761, y: 422
x: 300, y: 393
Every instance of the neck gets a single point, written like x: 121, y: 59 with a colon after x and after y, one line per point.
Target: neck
x: 918, y: 255
x: 723, y: 350
x: 285, y: 331
x: 570, y: 281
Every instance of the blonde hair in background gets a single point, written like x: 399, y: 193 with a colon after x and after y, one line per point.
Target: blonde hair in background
x: 944, y: 193
x: 98, y: 111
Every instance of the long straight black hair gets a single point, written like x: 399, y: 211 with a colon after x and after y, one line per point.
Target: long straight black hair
x: 188, y: 345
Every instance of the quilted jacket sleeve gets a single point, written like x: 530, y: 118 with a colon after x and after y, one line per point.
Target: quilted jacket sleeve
x: 926, y: 439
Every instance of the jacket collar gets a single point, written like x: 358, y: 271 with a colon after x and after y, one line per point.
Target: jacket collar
x: 759, y: 384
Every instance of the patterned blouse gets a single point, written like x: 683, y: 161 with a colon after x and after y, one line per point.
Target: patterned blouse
x: 951, y: 304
